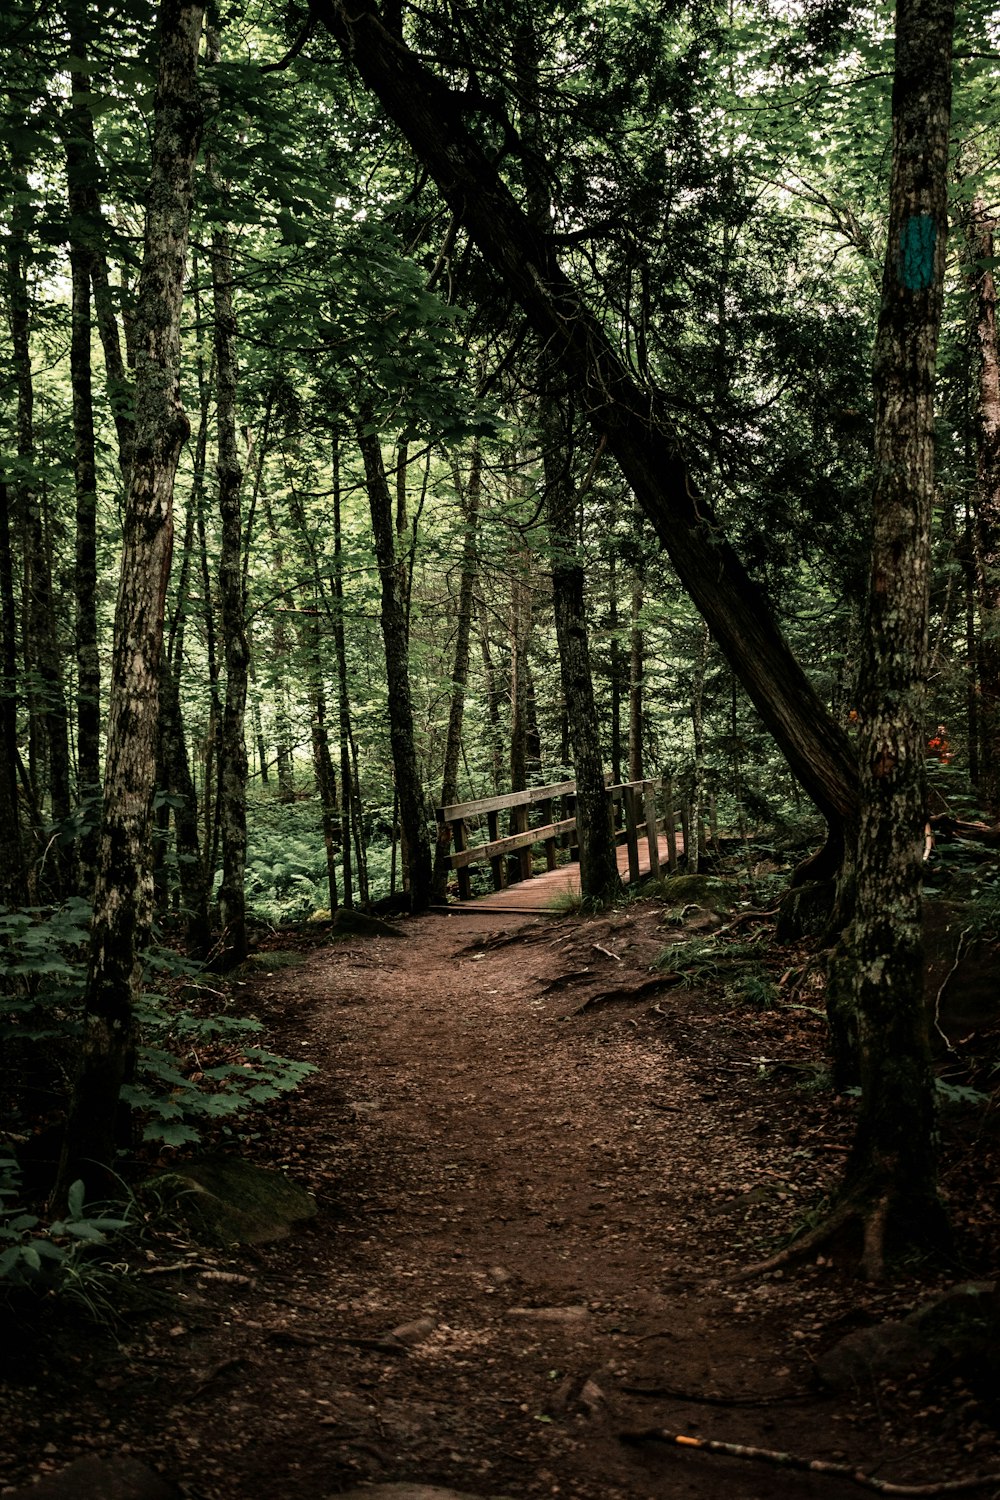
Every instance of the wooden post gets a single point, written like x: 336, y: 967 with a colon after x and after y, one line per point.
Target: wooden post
x: 461, y: 843
x: 569, y: 811
x: 652, y: 836
x: 545, y: 813
x: 670, y: 823
x: 496, y: 864
x: 630, y: 800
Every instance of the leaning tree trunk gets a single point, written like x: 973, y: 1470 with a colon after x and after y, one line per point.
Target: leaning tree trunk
x: 434, y: 119
x: 412, y: 808
x: 892, y: 1170
x: 122, y: 897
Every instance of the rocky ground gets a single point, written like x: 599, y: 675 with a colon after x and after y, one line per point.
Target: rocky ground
x: 541, y: 1168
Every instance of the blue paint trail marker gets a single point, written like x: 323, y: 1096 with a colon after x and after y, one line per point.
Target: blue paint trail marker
x: 917, y: 240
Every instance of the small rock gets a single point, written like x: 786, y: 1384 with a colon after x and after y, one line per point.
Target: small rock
x: 958, y: 1328
x: 866, y: 1354
x: 549, y: 1314
x: 357, y: 924
x: 415, y: 1332
x: 93, y: 1478
x: 225, y: 1200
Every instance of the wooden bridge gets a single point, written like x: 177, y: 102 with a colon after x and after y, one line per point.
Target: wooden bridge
x: 527, y: 872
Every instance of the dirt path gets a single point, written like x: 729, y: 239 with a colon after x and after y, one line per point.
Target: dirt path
x: 524, y: 1212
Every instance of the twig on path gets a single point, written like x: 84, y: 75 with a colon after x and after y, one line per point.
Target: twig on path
x: 708, y: 1398
x: 600, y: 948
x: 811, y: 1465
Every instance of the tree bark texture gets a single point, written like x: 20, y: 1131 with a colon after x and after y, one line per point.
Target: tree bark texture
x: 636, y: 674
x: 232, y: 750
x: 986, y: 506
x: 349, y: 816
x: 599, y: 879
x: 48, y: 722
x: 122, y: 898
x: 80, y: 167
x: 471, y: 495
x: 13, y: 881
x: 893, y: 1158
x: 412, y: 808
x: 432, y: 118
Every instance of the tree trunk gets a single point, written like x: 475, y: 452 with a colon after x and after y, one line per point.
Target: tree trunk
x: 893, y: 1163
x: 190, y: 865
x: 79, y: 164
x: 460, y: 670
x: 412, y: 809
x: 693, y: 841
x: 348, y: 820
x: 636, y: 674
x: 433, y: 119
x: 48, y: 726
x: 492, y: 693
x: 599, y: 879
x: 13, y: 879
x: 987, y: 507
x: 232, y: 750
x: 121, y: 909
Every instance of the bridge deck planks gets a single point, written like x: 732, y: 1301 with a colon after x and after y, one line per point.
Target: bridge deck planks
x: 539, y: 893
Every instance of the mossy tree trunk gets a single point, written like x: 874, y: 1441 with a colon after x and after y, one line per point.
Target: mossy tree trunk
x: 892, y: 1169
x: 122, y: 897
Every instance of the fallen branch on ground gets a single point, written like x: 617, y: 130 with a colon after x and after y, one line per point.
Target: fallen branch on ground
x: 710, y: 1398
x: 810, y: 1465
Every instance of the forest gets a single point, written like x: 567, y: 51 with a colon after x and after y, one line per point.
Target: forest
x: 410, y: 404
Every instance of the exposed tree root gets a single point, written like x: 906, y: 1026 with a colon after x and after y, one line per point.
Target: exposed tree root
x: 837, y: 1219
x: 872, y: 1211
x: 811, y: 1465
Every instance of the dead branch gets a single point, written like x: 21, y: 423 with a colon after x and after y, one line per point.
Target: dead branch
x: 810, y: 1465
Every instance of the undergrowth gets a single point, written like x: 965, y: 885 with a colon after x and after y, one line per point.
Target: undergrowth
x: 201, y: 1066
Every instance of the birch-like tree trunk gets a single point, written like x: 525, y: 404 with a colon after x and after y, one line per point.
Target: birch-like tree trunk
x: 122, y: 899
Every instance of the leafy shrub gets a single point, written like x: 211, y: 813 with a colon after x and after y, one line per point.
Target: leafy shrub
x: 193, y: 1069
x: 47, y: 1256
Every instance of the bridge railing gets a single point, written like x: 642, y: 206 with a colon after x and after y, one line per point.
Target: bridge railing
x: 510, y: 856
